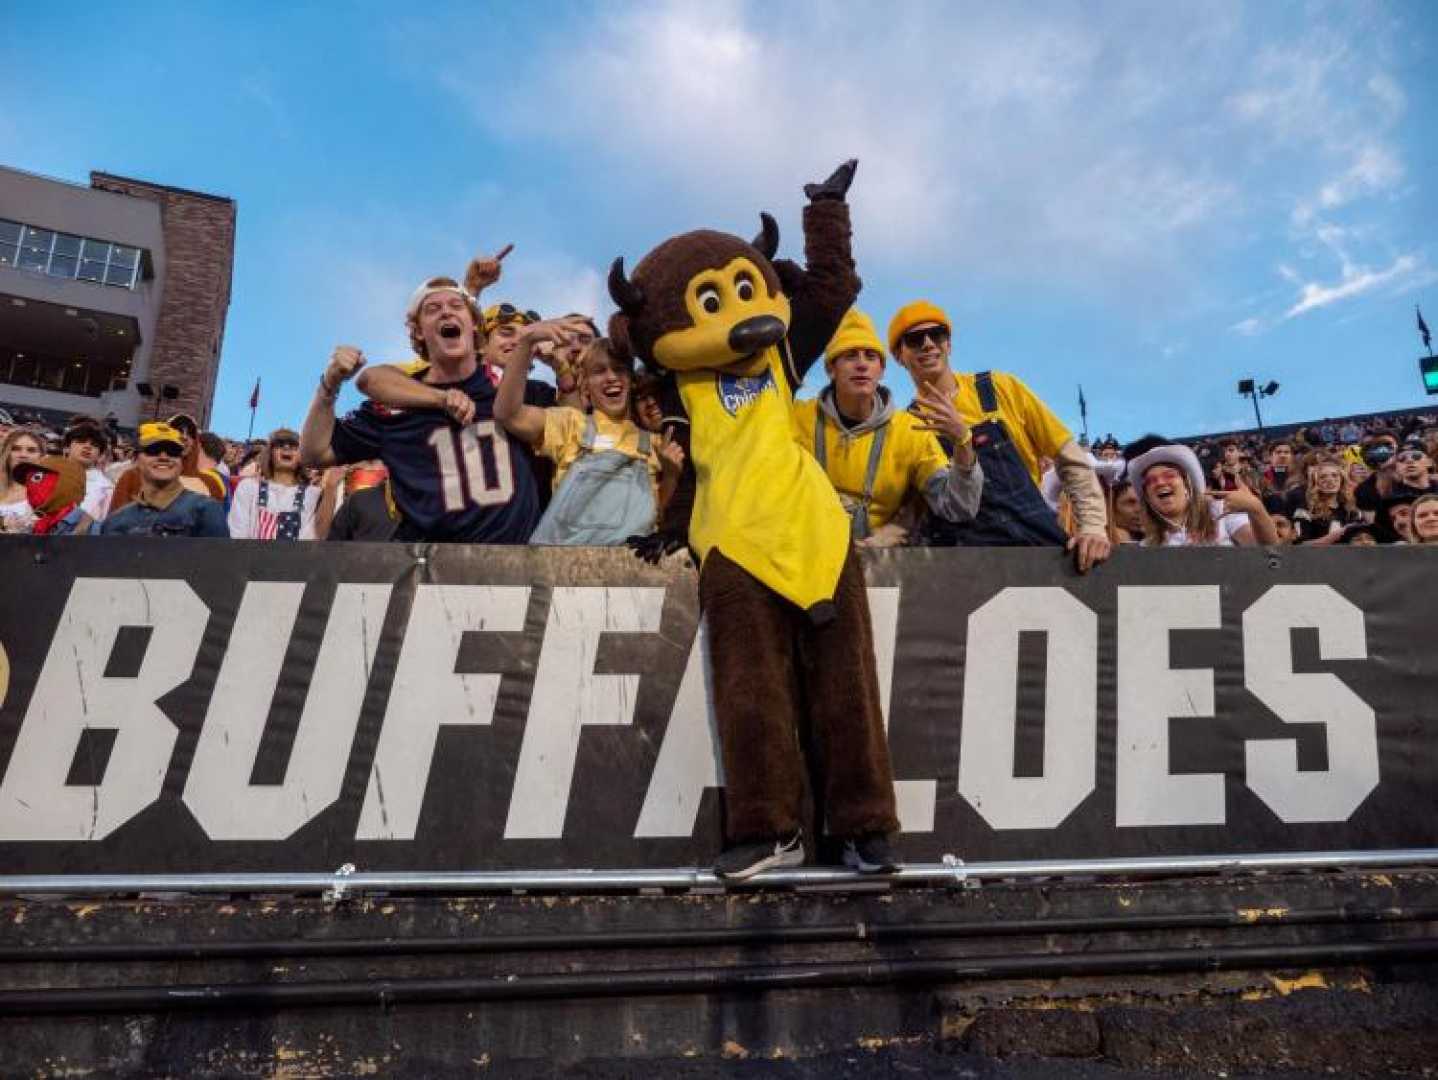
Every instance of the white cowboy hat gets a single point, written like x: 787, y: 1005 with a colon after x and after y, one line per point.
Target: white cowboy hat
x: 1180, y: 457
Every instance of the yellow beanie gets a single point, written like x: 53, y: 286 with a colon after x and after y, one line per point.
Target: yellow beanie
x: 910, y: 315
x: 856, y: 331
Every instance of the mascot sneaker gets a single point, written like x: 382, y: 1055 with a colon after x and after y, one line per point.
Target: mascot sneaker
x: 746, y: 860
x: 871, y: 854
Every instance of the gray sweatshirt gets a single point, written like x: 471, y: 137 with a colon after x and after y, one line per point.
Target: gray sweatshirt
x: 952, y: 493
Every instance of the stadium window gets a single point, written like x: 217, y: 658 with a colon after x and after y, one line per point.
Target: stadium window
x: 23, y: 370
x: 35, y: 248
x: 52, y: 373
x: 9, y: 242
x: 66, y: 257
x: 69, y: 374
x: 123, y: 261
x: 92, y: 263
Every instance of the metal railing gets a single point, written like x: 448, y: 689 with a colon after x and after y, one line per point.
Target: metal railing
x: 951, y: 872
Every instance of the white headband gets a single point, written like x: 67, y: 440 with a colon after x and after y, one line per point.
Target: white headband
x: 424, y: 292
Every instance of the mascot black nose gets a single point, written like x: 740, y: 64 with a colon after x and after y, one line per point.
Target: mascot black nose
x: 757, y: 333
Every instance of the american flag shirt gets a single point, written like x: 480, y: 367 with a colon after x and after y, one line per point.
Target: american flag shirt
x: 264, y: 510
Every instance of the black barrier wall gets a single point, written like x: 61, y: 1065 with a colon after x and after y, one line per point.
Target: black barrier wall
x: 209, y: 706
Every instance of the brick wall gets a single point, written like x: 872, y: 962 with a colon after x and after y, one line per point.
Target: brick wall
x: 199, y: 253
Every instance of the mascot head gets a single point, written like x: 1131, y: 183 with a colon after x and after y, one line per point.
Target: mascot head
x: 701, y: 300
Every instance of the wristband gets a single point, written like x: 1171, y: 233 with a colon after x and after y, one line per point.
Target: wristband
x: 326, y: 392
x: 967, y: 440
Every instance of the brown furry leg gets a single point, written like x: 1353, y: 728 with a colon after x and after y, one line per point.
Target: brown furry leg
x: 842, y: 688
x: 751, y: 654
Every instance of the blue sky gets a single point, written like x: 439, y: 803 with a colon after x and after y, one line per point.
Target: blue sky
x: 1153, y: 200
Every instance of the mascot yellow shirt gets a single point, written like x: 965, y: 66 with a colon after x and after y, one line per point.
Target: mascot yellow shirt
x: 761, y: 499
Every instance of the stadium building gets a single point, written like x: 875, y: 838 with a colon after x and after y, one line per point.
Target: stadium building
x: 112, y: 297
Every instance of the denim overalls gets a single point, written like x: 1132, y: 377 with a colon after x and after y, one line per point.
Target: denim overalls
x: 604, y: 498
x: 1012, y: 512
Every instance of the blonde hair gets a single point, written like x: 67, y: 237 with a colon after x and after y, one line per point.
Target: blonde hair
x: 411, y: 322
x: 1343, y: 500
x: 1198, y: 520
x: 7, y: 482
x: 1427, y: 497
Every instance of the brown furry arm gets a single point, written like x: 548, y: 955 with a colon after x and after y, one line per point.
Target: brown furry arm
x: 828, y: 287
x: 676, y: 420
x: 672, y: 532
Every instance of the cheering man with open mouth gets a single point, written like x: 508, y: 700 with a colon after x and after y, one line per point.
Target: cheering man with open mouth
x: 455, y: 474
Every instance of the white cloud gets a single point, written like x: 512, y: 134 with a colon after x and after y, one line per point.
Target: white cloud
x: 995, y: 146
x: 1355, y: 282
x: 1389, y: 94
x: 388, y: 252
x: 555, y: 284
x: 1373, y: 169
x: 989, y: 140
x: 1320, y: 95
x: 1327, y: 98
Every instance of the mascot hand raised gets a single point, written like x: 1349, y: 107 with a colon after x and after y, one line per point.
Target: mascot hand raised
x: 836, y: 187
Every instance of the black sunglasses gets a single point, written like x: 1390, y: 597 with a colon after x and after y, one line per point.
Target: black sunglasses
x: 914, y: 339
x: 163, y: 450
x: 285, y: 444
x: 1411, y: 455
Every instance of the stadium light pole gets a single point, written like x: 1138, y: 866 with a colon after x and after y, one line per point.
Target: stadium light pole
x: 1250, y: 389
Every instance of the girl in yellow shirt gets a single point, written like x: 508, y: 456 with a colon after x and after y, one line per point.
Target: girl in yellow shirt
x: 611, y: 477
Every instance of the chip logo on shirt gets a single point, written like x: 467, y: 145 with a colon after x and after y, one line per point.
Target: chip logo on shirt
x: 738, y: 392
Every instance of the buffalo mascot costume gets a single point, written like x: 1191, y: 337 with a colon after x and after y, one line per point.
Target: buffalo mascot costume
x: 732, y: 333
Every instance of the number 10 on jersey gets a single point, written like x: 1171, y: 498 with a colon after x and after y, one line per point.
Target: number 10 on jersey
x: 461, y: 453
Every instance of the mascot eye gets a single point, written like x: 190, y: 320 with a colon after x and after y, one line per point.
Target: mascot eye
x: 744, y: 287
x: 708, y: 297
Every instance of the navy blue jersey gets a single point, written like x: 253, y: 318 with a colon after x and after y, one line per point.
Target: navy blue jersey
x: 471, y: 485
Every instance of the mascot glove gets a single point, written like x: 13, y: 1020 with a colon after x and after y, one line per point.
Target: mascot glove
x: 836, y: 187
x: 655, y: 546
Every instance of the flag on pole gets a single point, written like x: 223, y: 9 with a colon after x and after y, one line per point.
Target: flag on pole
x: 1423, y: 330
x: 1083, y: 405
x: 255, y: 395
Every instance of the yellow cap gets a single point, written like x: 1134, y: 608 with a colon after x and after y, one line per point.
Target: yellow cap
x: 910, y: 316
x: 856, y: 331
x: 158, y: 431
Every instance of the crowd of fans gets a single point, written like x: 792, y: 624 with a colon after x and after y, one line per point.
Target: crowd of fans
x: 463, y: 445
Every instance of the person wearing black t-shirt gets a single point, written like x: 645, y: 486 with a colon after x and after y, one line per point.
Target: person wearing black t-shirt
x: 455, y: 475
x: 1322, y: 509
x: 1379, y: 450
x: 368, y: 512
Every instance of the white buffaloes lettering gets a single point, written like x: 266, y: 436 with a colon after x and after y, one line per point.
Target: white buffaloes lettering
x: 986, y: 753
x: 218, y: 791
x: 428, y: 694
x: 1330, y: 794
x: 568, y: 695
x: 74, y: 695
x: 1150, y: 694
